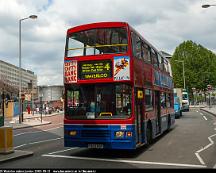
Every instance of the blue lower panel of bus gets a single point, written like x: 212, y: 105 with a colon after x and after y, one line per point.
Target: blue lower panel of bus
x: 100, y: 136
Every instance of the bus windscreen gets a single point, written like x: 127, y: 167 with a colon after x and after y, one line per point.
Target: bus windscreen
x: 98, y: 101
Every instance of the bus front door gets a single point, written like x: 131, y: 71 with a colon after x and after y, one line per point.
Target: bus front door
x: 139, y: 123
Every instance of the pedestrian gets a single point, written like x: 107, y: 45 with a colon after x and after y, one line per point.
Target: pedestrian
x: 37, y: 110
x: 28, y: 109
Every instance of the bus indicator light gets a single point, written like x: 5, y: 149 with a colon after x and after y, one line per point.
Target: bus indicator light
x: 129, y: 134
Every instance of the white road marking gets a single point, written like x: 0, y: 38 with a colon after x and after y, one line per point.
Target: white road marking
x: 61, y: 151
x: 197, y: 111
x: 205, y: 118
x: 200, y: 159
x: 20, y: 146
x: 45, y: 141
x: 125, y: 161
x: 204, y: 148
x: 37, y: 131
x: 214, y: 166
x: 201, y: 113
x: 37, y: 142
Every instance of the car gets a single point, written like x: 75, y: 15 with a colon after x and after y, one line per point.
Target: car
x: 177, y: 107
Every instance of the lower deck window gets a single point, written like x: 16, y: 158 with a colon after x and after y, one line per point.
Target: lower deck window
x: 98, y: 101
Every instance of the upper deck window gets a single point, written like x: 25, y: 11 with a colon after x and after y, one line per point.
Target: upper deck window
x: 97, y: 41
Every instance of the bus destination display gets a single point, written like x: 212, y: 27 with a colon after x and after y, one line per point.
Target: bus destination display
x: 95, y: 69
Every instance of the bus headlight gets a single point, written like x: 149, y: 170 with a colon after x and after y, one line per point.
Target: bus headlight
x: 119, y: 134
x: 73, y: 133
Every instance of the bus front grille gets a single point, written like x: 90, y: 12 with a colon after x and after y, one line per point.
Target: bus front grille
x: 95, y: 133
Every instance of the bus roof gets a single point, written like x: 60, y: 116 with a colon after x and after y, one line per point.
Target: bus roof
x: 96, y: 25
x: 107, y: 25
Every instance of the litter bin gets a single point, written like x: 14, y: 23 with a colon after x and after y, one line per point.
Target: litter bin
x: 6, y: 140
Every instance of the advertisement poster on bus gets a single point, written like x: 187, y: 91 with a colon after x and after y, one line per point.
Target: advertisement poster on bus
x: 70, y: 71
x: 121, y: 68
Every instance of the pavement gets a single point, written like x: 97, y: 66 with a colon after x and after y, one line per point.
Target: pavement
x: 209, y: 109
x: 29, y: 120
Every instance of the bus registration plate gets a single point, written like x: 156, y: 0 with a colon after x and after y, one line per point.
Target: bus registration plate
x: 100, y: 146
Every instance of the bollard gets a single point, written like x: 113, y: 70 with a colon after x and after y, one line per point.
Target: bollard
x: 6, y: 140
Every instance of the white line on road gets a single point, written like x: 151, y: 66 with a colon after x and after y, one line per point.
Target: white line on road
x: 37, y: 131
x: 197, y: 111
x: 205, y: 118
x: 20, y: 146
x: 214, y: 166
x: 201, y: 113
x: 125, y: 161
x: 48, y: 140
x: 200, y: 159
x: 204, y: 148
x: 61, y: 151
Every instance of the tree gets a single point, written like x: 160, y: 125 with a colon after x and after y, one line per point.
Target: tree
x: 200, y: 66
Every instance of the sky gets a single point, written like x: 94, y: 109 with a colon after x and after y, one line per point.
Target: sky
x: 164, y: 23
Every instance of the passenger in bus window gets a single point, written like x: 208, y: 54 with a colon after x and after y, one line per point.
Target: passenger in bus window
x: 92, y: 106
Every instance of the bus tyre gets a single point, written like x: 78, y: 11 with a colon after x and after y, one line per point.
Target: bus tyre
x: 180, y: 113
x: 149, y: 134
x: 169, y: 123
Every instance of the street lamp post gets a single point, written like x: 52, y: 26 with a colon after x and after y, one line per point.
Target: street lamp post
x: 41, y: 105
x: 20, y: 65
x: 208, y: 5
x: 2, y: 107
x: 183, y: 70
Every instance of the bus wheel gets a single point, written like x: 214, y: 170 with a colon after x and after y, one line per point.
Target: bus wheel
x: 169, y: 123
x: 149, y: 134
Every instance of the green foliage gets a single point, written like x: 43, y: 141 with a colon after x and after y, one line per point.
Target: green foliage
x: 200, y: 66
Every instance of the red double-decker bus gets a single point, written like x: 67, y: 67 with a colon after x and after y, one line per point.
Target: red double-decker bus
x: 118, y: 88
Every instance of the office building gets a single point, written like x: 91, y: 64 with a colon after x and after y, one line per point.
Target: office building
x: 9, y: 75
